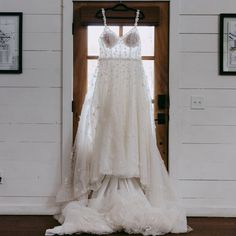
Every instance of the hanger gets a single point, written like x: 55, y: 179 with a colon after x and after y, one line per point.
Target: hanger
x: 120, y: 7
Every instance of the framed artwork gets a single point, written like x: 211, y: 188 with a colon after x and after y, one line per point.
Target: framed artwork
x: 11, y: 42
x: 227, y: 44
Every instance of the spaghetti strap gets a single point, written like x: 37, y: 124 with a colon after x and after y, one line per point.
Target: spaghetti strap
x: 137, y: 17
x: 104, y: 17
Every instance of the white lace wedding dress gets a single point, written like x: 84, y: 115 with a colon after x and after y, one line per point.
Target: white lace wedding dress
x: 116, y: 179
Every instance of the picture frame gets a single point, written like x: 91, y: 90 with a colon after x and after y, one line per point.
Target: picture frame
x: 11, y: 42
x: 227, y: 42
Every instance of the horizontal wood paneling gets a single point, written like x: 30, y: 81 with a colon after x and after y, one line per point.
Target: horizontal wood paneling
x: 208, y: 134
x: 30, y: 96
x: 42, y: 41
x: 27, y: 151
x: 30, y: 164
x: 224, y: 190
x: 42, y: 24
x: 207, y: 7
x: 32, y: 6
x: 206, y: 157
x: 31, y: 177
x: 195, y: 24
x: 30, y: 133
x: 38, y: 77
x: 41, y: 60
x: 30, y: 105
x: 27, y: 200
x: 200, y: 70
x: 199, y: 43
x: 207, y: 161
x: 210, y: 207
x: 214, y: 98
x: 41, y: 69
x: 30, y: 112
x: 28, y: 205
x: 209, y: 116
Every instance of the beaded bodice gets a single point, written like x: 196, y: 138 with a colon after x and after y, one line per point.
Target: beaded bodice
x: 127, y: 46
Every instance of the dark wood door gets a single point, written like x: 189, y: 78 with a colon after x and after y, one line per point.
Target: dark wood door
x: 84, y: 15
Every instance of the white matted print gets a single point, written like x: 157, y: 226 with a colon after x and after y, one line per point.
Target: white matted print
x: 231, y: 43
x: 10, y: 42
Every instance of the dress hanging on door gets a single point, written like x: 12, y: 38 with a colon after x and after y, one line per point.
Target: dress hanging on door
x: 116, y: 178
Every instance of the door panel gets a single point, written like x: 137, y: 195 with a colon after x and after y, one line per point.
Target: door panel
x: 155, y: 59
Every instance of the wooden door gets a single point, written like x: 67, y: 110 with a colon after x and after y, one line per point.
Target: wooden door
x: 157, y: 17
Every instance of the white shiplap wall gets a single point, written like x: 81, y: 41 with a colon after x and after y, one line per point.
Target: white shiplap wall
x: 207, y: 152
x: 30, y: 113
x: 203, y: 155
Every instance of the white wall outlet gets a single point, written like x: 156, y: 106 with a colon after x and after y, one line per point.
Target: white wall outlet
x: 197, y: 102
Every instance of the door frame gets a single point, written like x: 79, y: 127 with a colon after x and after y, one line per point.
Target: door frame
x: 67, y: 90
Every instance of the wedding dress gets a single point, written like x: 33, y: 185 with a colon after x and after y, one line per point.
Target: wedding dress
x: 116, y: 179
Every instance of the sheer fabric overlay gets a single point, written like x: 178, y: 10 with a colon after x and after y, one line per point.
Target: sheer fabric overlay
x: 116, y: 179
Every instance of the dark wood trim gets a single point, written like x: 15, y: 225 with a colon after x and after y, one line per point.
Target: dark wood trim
x: 85, y: 14
x: 148, y: 57
x: 161, y: 82
x: 80, y: 73
x: 93, y: 57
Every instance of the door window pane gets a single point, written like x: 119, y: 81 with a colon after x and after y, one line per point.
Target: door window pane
x: 94, y: 33
x: 147, y: 39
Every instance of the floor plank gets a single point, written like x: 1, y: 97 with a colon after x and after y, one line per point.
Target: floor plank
x: 36, y: 226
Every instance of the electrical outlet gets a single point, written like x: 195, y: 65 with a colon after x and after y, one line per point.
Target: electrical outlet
x: 197, y: 102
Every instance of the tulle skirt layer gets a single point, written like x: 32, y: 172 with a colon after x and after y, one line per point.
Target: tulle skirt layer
x: 119, y: 204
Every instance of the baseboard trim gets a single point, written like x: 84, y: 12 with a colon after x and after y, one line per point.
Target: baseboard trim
x: 42, y: 209
x: 211, y: 211
x: 28, y: 209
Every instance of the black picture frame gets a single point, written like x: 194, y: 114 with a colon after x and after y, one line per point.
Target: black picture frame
x: 11, y: 24
x: 227, y: 44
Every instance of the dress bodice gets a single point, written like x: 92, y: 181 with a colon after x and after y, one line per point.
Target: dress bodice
x: 127, y: 46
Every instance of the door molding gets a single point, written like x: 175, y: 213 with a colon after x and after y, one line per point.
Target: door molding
x: 67, y: 81
x: 174, y: 75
